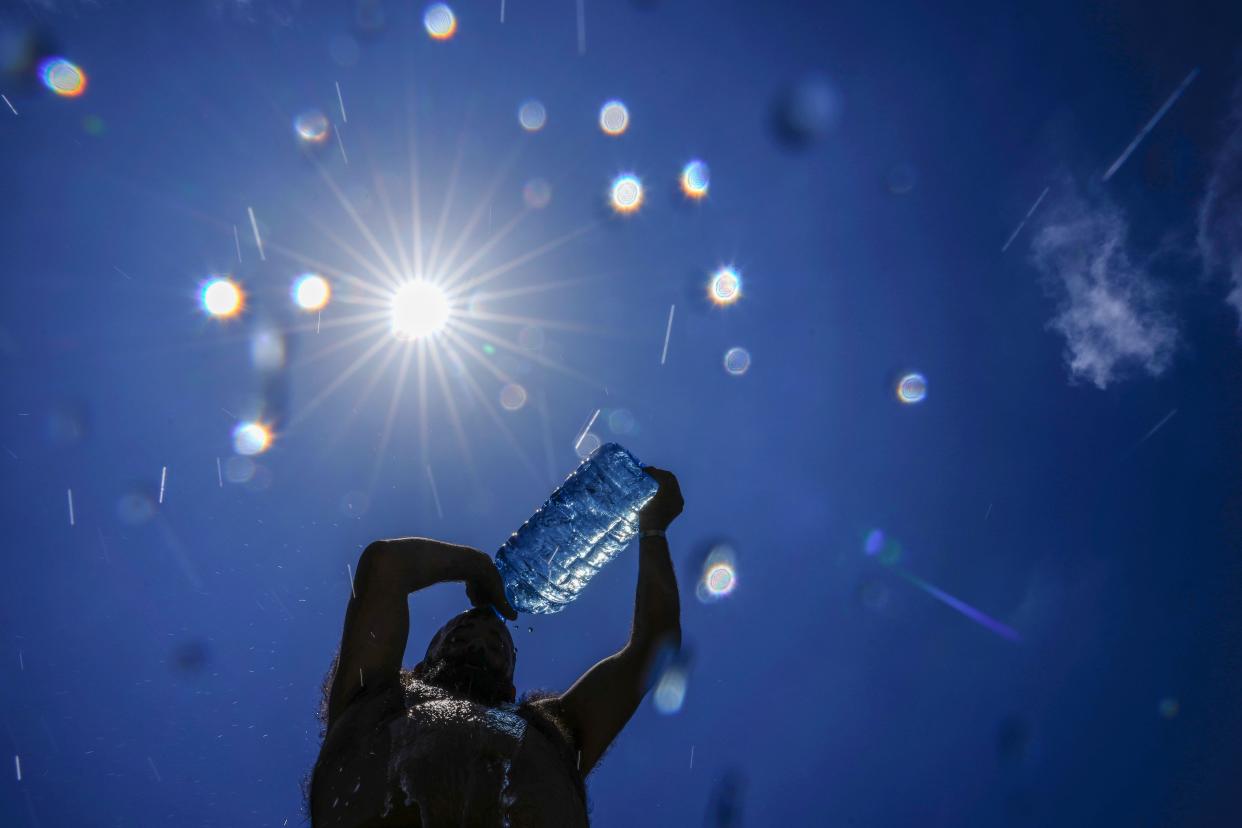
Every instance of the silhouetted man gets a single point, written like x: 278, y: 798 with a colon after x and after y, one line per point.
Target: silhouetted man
x: 446, y: 744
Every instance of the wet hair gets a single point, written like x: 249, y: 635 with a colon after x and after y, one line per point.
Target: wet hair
x: 459, y: 619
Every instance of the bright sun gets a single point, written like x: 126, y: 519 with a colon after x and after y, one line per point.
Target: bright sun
x: 419, y: 309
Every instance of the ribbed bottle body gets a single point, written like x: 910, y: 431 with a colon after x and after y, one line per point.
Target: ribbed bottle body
x: 583, y: 525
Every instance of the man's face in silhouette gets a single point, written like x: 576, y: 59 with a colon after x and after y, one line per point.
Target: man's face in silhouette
x: 472, y: 656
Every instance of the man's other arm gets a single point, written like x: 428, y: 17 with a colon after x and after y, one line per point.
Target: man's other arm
x: 601, y: 702
x: 377, y: 620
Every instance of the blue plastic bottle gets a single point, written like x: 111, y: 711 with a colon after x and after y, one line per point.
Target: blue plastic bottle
x: 585, y: 523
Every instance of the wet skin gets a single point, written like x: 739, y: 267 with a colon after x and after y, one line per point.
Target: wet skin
x: 444, y: 743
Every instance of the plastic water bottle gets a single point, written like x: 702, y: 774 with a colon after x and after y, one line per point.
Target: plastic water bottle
x: 583, y: 525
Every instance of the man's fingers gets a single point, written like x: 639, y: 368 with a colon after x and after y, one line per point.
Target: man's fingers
x: 499, y: 601
x: 490, y: 591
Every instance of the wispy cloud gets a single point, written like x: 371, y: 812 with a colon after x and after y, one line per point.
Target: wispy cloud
x: 1109, y: 309
x: 1220, y: 212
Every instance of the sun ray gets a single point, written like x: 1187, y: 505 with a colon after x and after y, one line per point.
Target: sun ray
x: 313, y: 323
x: 502, y: 269
x: 453, y: 415
x: 548, y: 455
x: 376, y: 376
x: 527, y: 354
x: 339, y: 345
x: 485, y: 203
x: 483, y: 249
x: 384, y: 278
x: 416, y: 208
x: 348, y: 207
x: 550, y: 324
x: 423, y: 426
x: 367, y: 302
x: 527, y: 290
x: 337, y: 381
x: 446, y: 208
x: 493, y: 414
x: 392, y: 223
x: 326, y: 269
x: 391, y: 416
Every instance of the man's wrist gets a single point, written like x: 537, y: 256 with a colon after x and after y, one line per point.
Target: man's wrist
x: 645, y: 532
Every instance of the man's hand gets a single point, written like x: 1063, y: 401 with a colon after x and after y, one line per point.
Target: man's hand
x: 667, y: 504
x: 484, y: 586
x: 411, y: 564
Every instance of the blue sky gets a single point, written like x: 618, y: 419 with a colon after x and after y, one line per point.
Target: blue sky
x: 162, y: 660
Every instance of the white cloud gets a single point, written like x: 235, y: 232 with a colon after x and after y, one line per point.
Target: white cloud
x: 1220, y: 213
x: 1109, y: 309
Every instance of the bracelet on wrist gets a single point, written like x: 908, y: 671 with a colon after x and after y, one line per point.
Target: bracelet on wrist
x: 651, y: 533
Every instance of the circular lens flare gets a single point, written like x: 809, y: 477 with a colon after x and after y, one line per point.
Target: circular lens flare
x: 311, y: 292
x: 725, y: 287
x: 614, y: 118
x: 440, y: 21
x: 737, y: 361
x: 695, y: 179
x: 311, y: 126
x: 221, y: 297
x: 532, y: 116
x: 512, y: 397
x: 626, y: 193
x: 419, y: 309
x: 62, y: 77
x: 251, y: 438
x: 719, y: 580
x: 912, y: 388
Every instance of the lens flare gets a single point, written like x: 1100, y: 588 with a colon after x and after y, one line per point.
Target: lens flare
x: 311, y: 126
x: 267, y: 350
x: 669, y: 695
x: 62, y: 77
x: 627, y: 193
x: 718, y: 578
x: 419, y: 309
x: 737, y: 361
x: 695, y: 179
x: 614, y: 118
x: 251, y: 438
x: 587, y: 445
x: 512, y: 397
x: 440, y: 21
x: 725, y: 287
x: 912, y: 388
x: 311, y: 292
x: 532, y: 115
x: 221, y: 297
x: 537, y: 193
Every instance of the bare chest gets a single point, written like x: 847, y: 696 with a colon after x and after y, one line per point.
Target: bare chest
x: 445, y: 761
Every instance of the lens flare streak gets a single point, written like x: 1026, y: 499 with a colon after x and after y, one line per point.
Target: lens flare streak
x: 254, y: 225
x: 582, y: 435
x: 435, y: 493
x: 340, y: 100
x: 961, y: 606
x: 1155, y: 119
x: 10, y: 103
x: 668, y: 330
x: 1025, y: 219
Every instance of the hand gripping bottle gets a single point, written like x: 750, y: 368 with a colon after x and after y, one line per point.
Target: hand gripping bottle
x: 583, y: 525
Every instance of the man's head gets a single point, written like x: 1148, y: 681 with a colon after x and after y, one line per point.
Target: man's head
x: 472, y: 656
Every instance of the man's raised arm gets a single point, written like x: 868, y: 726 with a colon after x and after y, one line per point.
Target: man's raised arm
x: 377, y: 621
x: 600, y: 703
